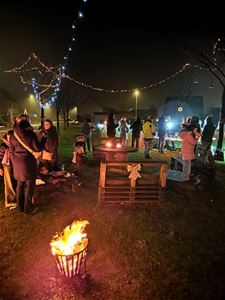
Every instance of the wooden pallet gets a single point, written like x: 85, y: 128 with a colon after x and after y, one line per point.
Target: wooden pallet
x: 116, y: 187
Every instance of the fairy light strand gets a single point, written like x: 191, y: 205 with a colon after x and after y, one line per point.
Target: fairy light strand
x: 57, y: 72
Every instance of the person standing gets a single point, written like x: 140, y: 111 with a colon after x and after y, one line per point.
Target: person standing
x: 123, y: 131
x: 190, y: 139
x: 161, y: 133
x: 86, y: 130
x: 24, y: 164
x: 49, y: 139
x: 136, y: 132
x: 149, y: 133
x: 111, y: 126
x: 208, y: 132
x: 7, y: 172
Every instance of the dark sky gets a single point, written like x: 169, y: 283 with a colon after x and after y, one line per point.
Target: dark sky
x: 120, y: 44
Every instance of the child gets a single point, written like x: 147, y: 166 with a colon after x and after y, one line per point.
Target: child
x: 6, y: 171
x: 190, y: 139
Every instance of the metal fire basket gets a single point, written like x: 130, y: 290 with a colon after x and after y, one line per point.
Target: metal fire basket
x: 72, y: 265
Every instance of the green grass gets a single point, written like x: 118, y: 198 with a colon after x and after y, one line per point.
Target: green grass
x: 171, y: 251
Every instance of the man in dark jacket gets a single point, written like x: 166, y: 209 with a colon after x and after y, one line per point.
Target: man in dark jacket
x: 208, y: 132
x: 24, y: 165
x: 136, y: 131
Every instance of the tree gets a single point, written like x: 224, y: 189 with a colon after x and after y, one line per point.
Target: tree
x: 43, y: 80
x: 65, y: 101
x: 213, y: 60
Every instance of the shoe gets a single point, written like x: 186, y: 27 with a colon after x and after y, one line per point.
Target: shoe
x: 184, y: 179
x: 34, y: 210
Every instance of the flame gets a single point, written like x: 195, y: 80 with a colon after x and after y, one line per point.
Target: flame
x: 72, y: 240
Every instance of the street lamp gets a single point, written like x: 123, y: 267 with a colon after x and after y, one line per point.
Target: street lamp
x: 136, y: 94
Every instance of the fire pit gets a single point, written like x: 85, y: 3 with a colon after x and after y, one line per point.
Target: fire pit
x: 70, y: 249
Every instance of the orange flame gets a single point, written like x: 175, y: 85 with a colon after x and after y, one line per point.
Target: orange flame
x: 71, y: 241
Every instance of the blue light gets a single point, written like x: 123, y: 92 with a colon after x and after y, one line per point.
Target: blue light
x: 169, y: 125
x: 81, y: 14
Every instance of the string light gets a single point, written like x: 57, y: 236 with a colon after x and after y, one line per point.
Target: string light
x: 59, y: 73
x: 56, y: 72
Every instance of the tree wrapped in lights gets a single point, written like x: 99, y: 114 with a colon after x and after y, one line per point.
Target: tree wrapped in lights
x: 42, y: 80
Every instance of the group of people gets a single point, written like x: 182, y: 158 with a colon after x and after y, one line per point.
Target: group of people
x: 190, y: 135
x: 18, y: 160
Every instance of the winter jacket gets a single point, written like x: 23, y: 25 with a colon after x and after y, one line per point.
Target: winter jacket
x: 111, y: 129
x: 148, y: 130
x: 136, y: 128
x: 208, y: 133
x: 161, y: 127
x: 24, y: 163
x: 86, y: 129
x: 50, y: 141
x: 188, y: 145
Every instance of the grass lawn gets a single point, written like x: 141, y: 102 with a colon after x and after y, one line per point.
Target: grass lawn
x: 171, y: 251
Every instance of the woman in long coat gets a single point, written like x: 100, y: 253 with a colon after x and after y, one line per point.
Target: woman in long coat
x: 50, y: 142
x: 24, y: 165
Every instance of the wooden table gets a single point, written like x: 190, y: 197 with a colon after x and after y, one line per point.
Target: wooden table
x: 115, y: 154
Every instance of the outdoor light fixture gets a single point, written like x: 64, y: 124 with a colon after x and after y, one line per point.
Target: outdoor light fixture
x: 108, y: 144
x: 70, y: 249
x: 169, y: 125
x: 136, y: 94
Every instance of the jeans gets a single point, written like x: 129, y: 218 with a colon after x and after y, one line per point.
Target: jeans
x: 24, y: 194
x: 9, y: 184
x: 186, y: 170
x: 161, y: 143
x: 148, y: 146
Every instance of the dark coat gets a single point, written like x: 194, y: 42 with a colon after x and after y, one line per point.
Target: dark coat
x: 111, y: 129
x: 3, y: 148
x: 50, y: 141
x: 162, y: 127
x: 208, y: 133
x: 24, y: 163
x: 136, y: 128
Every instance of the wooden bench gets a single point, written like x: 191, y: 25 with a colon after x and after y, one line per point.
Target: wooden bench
x: 115, y: 186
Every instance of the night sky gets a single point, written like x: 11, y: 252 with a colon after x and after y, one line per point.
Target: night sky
x: 119, y: 45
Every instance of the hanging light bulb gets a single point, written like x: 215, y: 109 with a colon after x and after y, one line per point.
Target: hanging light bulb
x: 80, y: 14
x: 73, y: 26
x: 73, y: 39
x: 70, y: 49
x: 211, y: 85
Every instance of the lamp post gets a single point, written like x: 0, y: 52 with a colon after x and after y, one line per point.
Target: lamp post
x: 136, y: 94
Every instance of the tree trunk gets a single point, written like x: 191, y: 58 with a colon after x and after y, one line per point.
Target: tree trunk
x: 57, y: 119
x: 67, y: 118
x: 222, y: 121
x: 64, y: 119
x: 42, y: 116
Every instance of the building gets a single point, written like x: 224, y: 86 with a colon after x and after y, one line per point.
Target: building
x: 8, y: 107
